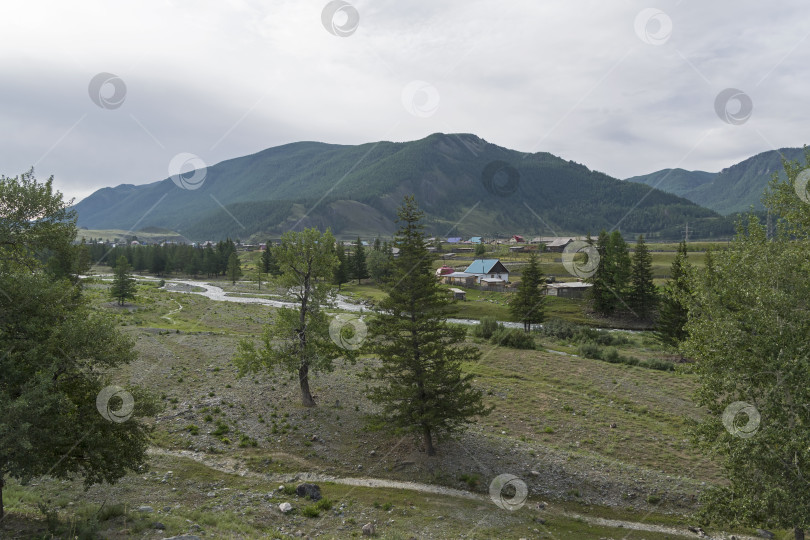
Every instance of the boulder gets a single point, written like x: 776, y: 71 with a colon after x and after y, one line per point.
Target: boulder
x: 313, y: 491
x: 285, y: 507
x: 369, y: 529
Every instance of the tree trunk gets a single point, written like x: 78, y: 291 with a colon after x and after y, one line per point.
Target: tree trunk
x: 1, y: 498
x: 798, y: 534
x: 428, y: 441
x: 303, y: 379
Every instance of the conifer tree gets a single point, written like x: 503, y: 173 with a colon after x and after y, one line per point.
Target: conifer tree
x: 674, y: 308
x: 359, y: 261
x: 341, y: 273
x: 643, y: 294
x: 123, y: 285
x: 528, y: 302
x: 601, y: 296
x: 421, y: 389
x: 269, y: 264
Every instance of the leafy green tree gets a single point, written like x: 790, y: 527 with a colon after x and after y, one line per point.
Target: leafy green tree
x: 747, y: 332
x: 234, y: 267
x: 258, y: 277
x: 643, y: 294
x: 480, y: 250
x: 421, y: 388
x: 123, y: 285
x: 379, y: 265
x: 528, y: 303
x: 377, y: 244
x: 298, y: 339
x: 53, y: 419
x: 359, y: 262
x: 673, y: 309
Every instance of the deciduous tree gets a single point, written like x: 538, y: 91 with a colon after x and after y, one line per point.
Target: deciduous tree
x: 298, y: 338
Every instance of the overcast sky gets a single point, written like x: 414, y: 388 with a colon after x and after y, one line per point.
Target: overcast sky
x: 623, y: 87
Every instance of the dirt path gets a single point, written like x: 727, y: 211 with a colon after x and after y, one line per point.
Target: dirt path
x: 231, y: 465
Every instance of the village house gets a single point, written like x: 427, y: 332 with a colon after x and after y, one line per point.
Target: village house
x: 555, y: 244
x: 488, y: 271
x: 573, y: 289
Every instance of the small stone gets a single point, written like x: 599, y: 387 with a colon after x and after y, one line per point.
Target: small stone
x: 212, y: 494
x: 146, y: 509
x: 369, y: 529
x: 159, y: 526
x: 285, y: 507
x: 167, y: 508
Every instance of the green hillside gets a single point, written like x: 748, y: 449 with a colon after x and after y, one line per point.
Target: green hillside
x: 356, y: 189
x: 734, y: 189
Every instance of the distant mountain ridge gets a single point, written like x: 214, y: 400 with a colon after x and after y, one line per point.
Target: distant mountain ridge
x: 464, y: 184
x: 734, y: 189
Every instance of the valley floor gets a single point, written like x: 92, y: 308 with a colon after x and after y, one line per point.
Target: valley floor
x: 602, y: 448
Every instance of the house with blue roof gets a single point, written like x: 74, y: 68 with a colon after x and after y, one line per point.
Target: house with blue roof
x: 475, y: 240
x: 488, y: 271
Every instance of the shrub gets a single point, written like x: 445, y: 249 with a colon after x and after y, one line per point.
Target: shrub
x: 324, y: 504
x: 590, y: 350
x: 660, y: 365
x: 512, y: 337
x: 311, y: 511
x: 222, y: 429
x: 471, y: 480
x: 487, y: 327
x: 559, y: 328
x: 612, y: 355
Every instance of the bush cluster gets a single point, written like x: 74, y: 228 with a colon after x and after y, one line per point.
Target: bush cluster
x: 560, y: 329
x: 589, y: 349
x: 498, y: 334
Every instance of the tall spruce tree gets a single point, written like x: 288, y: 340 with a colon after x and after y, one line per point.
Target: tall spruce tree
x: 421, y: 388
x: 341, y: 273
x: 673, y: 309
x: 359, y: 261
x: 643, y: 294
x: 123, y: 285
x: 268, y: 262
x: 602, y: 297
x: 528, y: 303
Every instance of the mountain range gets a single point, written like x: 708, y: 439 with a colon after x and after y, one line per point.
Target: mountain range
x: 734, y: 189
x: 464, y: 184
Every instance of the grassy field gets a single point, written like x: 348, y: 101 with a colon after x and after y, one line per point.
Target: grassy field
x: 588, y: 438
